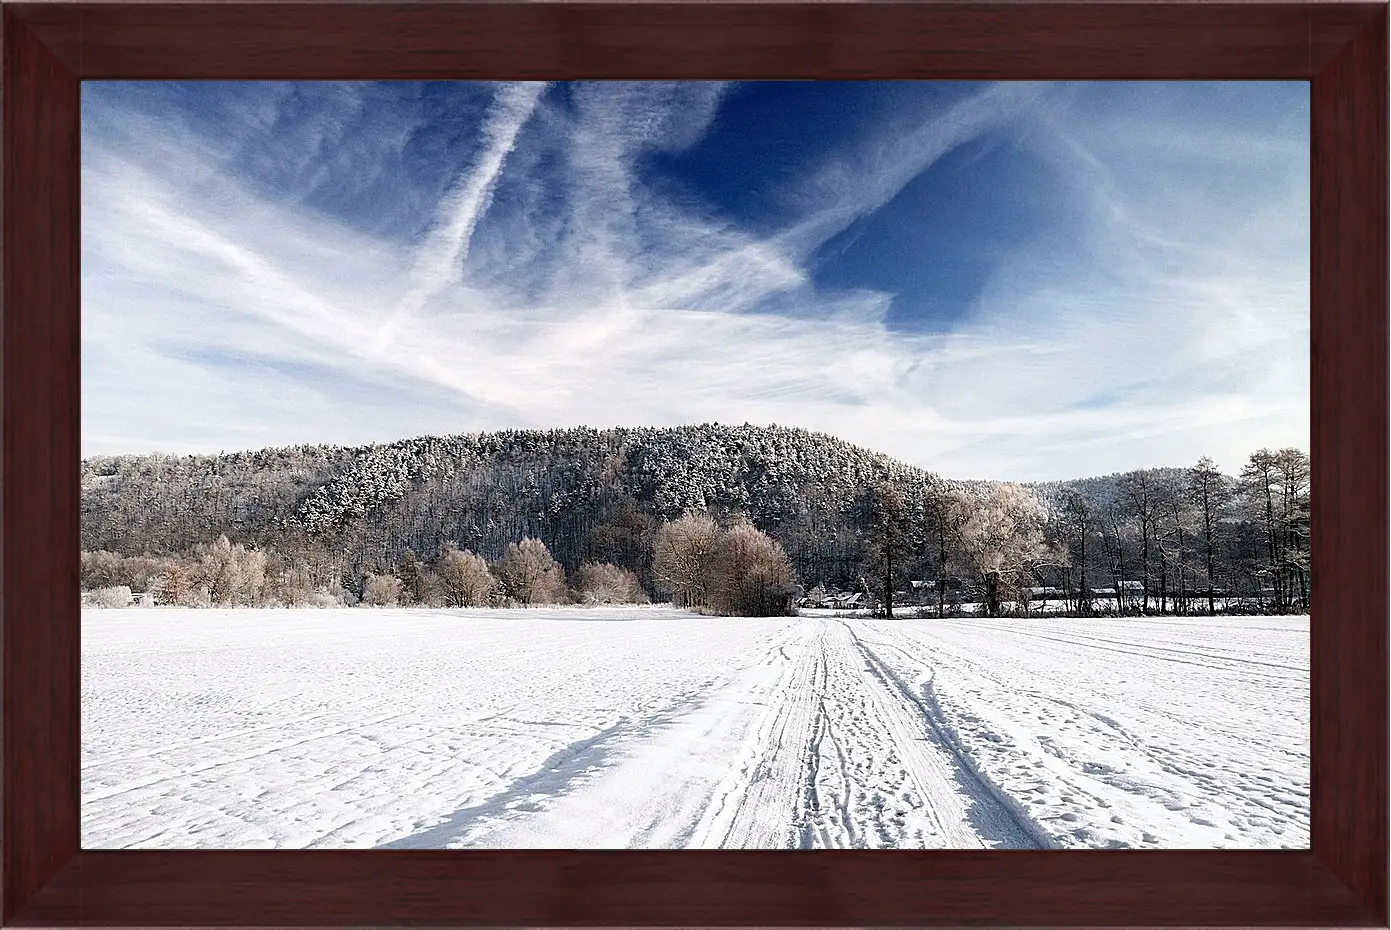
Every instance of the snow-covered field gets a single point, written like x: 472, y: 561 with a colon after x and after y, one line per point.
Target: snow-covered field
x: 649, y: 727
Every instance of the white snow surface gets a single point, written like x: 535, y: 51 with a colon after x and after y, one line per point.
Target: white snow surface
x: 655, y: 728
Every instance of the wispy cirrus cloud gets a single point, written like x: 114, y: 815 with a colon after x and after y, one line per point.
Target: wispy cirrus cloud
x: 440, y: 257
x: 564, y: 275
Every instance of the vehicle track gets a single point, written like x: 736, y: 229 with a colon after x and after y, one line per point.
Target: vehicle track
x: 1229, y: 663
x: 761, y: 811
x: 845, y: 758
x: 972, y: 809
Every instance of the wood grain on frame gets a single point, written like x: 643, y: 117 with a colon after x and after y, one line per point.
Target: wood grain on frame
x: 39, y: 462
x: 693, y: 40
x: 49, y: 47
x: 1348, y: 338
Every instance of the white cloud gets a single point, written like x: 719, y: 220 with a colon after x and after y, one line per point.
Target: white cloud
x: 439, y: 258
x: 214, y: 318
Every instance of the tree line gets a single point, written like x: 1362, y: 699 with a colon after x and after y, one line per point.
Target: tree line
x: 731, y: 570
x: 1149, y: 541
x: 329, y: 519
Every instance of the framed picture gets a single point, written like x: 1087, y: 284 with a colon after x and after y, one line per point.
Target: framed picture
x: 100, y: 187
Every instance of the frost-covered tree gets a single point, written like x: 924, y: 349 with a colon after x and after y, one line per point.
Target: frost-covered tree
x: 464, y: 578
x: 1259, y: 478
x: 1176, y: 528
x: 946, y: 507
x: 1078, y: 514
x: 1141, y: 496
x: 893, y: 540
x: 381, y: 590
x: 1210, y: 491
x: 681, y: 558
x: 1003, y: 540
x: 232, y: 574
x: 590, y: 495
x: 175, y: 587
x: 1295, y: 507
x: 115, y: 596
x: 606, y: 583
x: 1273, y: 493
x: 102, y: 569
x: 290, y: 586
x: 529, y: 575
x: 750, y: 575
x: 600, y: 495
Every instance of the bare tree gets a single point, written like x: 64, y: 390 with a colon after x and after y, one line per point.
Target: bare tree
x: 432, y: 592
x: 681, y: 558
x: 1295, y: 473
x: 1003, y: 539
x: 750, y: 574
x: 946, y: 508
x: 529, y: 574
x: 381, y: 590
x: 1079, y: 515
x: 1211, y: 492
x: 1259, y: 482
x: 891, y: 539
x: 1177, y: 525
x: 115, y: 596
x: 606, y: 583
x: 411, y: 571
x: 291, y: 586
x: 1140, y: 493
x: 231, y: 573
x: 464, y: 578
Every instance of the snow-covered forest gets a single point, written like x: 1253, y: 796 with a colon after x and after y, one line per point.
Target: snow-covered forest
x: 555, y: 516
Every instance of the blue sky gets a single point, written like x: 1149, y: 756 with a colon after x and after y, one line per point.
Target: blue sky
x: 1018, y: 281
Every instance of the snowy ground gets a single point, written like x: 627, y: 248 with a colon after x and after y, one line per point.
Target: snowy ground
x: 649, y: 727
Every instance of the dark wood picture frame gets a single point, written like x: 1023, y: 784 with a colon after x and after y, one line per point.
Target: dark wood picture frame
x: 50, y: 47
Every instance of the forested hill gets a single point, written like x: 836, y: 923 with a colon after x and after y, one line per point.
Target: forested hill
x: 588, y: 494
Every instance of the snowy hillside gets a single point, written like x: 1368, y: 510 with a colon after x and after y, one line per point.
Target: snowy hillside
x: 649, y: 727
x: 587, y: 493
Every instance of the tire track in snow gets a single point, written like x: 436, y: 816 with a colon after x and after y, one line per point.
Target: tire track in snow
x: 882, y: 774
x: 672, y: 780
x: 759, y: 810
x: 348, y: 729
x: 809, y: 800
x: 116, y: 758
x: 1086, y: 791
x: 1232, y: 664
x: 946, y: 771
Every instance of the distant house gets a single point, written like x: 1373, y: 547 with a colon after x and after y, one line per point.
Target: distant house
x: 1043, y: 593
x: 1127, y: 587
x: 838, y: 600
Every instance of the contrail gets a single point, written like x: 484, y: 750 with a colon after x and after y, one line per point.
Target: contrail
x: 442, y: 253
